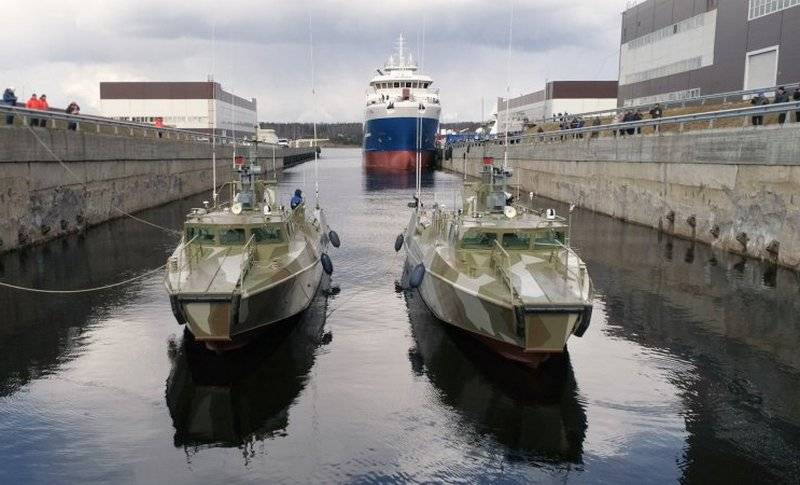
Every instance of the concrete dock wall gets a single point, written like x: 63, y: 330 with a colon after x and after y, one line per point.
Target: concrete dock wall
x: 42, y: 199
x: 738, y: 190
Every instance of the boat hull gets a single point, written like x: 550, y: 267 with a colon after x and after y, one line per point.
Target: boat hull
x: 226, y: 322
x: 396, y: 161
x: 526, y: 335
x: 391, y: 143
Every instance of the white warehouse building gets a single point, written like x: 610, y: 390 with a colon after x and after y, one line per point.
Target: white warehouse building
x: 195, y: 106
x: 557, y: 97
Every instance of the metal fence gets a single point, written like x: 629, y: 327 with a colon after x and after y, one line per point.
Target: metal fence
x: 636, y: 128
x: 99, y: 124
x: 719, y: 98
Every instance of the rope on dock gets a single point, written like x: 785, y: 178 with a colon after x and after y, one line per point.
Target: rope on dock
x: 81, y: 182
x: 85, y: 290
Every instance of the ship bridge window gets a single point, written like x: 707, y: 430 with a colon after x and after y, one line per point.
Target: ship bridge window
x: 549, y: 238
x: 516, y: 240
x: 478, y: 240
x: 231, y: 236
x: 267, y: 234
x: 397, y: 85
x: 201, y: 235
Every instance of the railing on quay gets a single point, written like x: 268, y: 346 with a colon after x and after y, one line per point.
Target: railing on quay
x: 116, y: 127
x: 624, y: 129
x: 696, y: 100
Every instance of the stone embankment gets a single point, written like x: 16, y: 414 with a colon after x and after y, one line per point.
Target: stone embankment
x: 101, y: 175
x: 735, y: 189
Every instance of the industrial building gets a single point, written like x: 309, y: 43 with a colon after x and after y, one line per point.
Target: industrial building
x: 196, y: 106
x: 680, y: 49
x: 556, y: 97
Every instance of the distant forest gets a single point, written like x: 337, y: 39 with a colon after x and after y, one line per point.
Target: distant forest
x: 340, y: 133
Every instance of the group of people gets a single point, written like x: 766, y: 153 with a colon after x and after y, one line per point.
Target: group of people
x: 781, y: 96
x: 38, y: 103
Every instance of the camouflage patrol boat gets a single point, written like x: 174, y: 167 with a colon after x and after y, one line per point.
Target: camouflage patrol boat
x: 503, y: 273
x: 246, y: 267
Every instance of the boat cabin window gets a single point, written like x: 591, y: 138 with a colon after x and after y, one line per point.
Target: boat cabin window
x: 231, y: 236
x: 397, y: 85
x: 548, y: 238
x: 478, y: 240
x: 516, y: 240
x: 266, y: 234
x: 201, y: 235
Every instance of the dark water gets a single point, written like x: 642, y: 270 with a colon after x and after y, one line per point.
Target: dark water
x: 690, y: 371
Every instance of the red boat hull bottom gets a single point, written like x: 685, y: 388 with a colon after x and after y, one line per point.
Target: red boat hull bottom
x: 512, y: 352
x: 397, y: 161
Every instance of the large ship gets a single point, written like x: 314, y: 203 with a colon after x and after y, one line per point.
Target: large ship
x: 401, y: 117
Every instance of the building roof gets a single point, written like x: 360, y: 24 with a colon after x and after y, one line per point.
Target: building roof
x: 172, y: 90
x: 566, y: 90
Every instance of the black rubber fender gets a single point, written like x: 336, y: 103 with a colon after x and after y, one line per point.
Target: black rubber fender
x: 334, y: 239
x: 417, y: 275
x: 398, y: 243
x: 583, y: 325
x: 327, y: 265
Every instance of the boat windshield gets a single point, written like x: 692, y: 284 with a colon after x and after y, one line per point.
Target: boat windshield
x: 516, y: 240
x: 548, y: 239
x: 231, y: 236
x: 201, y: 235
x: 478, y: 240
x: 267, y: 234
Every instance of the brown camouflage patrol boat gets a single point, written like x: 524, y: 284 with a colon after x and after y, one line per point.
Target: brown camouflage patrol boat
x: 503, y: 273
x: 246, y: 267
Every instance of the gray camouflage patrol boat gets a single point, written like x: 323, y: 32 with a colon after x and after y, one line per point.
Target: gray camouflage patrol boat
x: 247, y: 266
x: 504, y: 273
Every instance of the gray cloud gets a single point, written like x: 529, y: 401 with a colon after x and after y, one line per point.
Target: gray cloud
x: 262, y: 48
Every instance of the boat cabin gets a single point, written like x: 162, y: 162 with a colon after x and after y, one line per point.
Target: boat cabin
x: 512, y: 239
x: 236, y: 235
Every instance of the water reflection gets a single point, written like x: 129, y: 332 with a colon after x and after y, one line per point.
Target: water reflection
x: 42, y: 331
x: 735, y: 319
x: 535, y: 415
x: 242, y: 397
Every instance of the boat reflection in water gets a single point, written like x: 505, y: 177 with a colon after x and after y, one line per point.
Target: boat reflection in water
x: 534, y: 413
x: 377, y: 179
x: 243, y: 397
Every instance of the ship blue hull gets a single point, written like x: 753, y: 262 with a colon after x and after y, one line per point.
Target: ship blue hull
x: 391, y: 143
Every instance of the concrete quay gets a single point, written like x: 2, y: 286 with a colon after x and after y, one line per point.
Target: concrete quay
x: 735, y: 189
x: 40, y: 199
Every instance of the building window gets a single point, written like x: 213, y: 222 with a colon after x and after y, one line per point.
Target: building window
x: 683, y: 26
x: 663, y: 71
x: 761, y: 8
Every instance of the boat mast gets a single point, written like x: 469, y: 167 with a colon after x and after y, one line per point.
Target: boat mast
x: 508, y: 86
x: 314, y: 108
x: 213, y: 115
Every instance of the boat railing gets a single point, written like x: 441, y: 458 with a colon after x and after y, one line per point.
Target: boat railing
x: 579, y: 276
x: 501, y: 261
x: 248, y: 252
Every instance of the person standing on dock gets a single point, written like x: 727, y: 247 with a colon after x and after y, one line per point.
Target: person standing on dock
x: 781, y: 97
x: 43, y: 106
x: 73, y: 109
x: 9, y: 99
x: 33, y: 103
x: 758, y: 100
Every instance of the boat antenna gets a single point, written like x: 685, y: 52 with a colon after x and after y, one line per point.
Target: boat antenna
x: 314, y: 107
x: 213, y: 115
x: 508, y: 84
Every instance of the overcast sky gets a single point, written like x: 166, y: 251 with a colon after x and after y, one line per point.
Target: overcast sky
x: 66, y: 47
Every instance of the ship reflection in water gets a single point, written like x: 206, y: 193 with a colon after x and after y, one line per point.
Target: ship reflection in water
x: 244, y: 396
x: 533, y: 413
x: 377, y: 179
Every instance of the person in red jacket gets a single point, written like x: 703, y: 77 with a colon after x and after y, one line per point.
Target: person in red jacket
x: 33, y: 103
x: 44, y: 107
